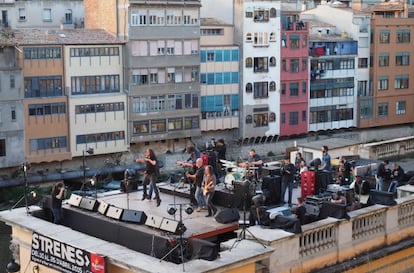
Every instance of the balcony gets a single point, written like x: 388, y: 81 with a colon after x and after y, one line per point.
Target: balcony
x: 295, y: 26
x: 319, y: 49
x: 333, y: 241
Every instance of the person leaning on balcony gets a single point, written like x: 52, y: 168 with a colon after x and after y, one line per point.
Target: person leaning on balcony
x: 382, y: 174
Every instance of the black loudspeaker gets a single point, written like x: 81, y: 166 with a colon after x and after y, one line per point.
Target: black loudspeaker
x: 381, y: 197
x: 75, y: 200
x: 89, y: 204
x: 227, y: 215
x: 103, y: 207
x: 134, y: 216
x: 153, y: 221
x: 203, y: 249
x: 272, y: 187
x: 114, y: 212
x: 329, y: 209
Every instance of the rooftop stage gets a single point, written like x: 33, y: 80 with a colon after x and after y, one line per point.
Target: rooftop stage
x: 125, y: 219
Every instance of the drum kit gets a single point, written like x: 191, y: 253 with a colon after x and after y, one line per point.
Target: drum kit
x: 237, y: 173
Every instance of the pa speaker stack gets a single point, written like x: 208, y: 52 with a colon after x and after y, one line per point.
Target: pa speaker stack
x: 114, y: 212
x: 134, y: 216
x: 89, y: 204
x: 227, y: 215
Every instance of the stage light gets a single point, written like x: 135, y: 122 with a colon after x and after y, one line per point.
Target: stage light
x: 172, y: 211
x: 189, y: 210
x: 12, y: 266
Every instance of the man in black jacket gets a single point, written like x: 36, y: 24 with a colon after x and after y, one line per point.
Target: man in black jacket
x: 288, y: 173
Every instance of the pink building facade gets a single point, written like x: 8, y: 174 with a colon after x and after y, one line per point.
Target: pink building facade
x: 294, y: 79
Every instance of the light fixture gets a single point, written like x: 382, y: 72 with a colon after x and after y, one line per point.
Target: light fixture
x: 12, y: 266
x: 189, y: 210
x: 88, y: 151
x: 172, y: 210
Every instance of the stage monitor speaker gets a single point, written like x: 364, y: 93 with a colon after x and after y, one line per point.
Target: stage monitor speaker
x: 203, y: 249
x: 381, y: 197
x: 75, y: 200
x: 103, y: 207
x: 169, y: 225
x: 134, y: 216
x: 153, y: 221
x: 89, y: 204
x: 227, y: 215
x: 114, y: 212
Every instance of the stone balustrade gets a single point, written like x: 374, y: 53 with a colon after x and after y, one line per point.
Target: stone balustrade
x: 331, y: 241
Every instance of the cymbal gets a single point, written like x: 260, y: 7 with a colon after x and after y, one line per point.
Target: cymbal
x: 227, y: 161
x: 271, y: 168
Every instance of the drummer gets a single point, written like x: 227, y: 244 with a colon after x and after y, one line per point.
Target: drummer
x: 254, y: 163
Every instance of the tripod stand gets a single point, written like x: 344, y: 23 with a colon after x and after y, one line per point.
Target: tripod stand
x: 180, y: 229
x: 242, y: 234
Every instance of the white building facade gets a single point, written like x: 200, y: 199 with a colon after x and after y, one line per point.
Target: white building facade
x: 257, y: 29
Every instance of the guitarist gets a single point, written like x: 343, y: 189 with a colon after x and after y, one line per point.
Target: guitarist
x: 197, y: 180
x: 209, y: 185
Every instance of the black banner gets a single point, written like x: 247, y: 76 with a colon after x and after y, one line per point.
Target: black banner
x: 63, y: 257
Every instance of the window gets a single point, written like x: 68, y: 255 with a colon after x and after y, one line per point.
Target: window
x: 384, y: 59
x: 272, y: 37
x: 13, y: 113
x: 2, y: 147
x: 171, y: 76
x: 68, y: 16
x: 402, y: 59
x: 153, y: 77
x: 294, y: 65
x: 384, y: 37
x: 383, y: 83
x: 260, y: 39
x: 272, y: 86
x: 294, y: 41
x: 304, y: 116
x: 50, y: 143
x: 260, y: 64
x: 12, y: 81
x: 400, y: 107
x: 260, y: 120
x: 284, y: 41
x: 283, y: 89
x: 261, y: 15
x: 401, y: 82
x: 260, y: 90
x: 272, y: 61
x: 158, y: 126
x: 249, y: 62
x: 248, y: 37
x: 304, y: 64
x: 363, y: 88
x: 362, y: 62
x: 134, y: 18
x: 141, y: 127
x: 293, y: 118
x: 383, y: 109
x: 304, y: 87
x: 210, y: 56
x: 191, y: 122
x: 22, y: 14
x: 47, y: 14
x: 249, y: 88
x: 170, y: 51
x: 284, y: 68
x: 283, y: 118
x: 403, y: 35
x: 142, y: 19
x: 273, y: 13
x: 294, y: 89
x: 175, y: 124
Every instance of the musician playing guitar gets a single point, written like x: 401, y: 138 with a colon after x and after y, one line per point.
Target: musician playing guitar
x: 209, y: 185
x: 197, y: 180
